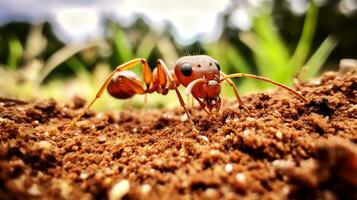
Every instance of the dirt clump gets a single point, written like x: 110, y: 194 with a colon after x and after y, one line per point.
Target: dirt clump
x: 276, y: 148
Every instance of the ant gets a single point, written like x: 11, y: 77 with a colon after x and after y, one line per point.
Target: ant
x: 200, y: 74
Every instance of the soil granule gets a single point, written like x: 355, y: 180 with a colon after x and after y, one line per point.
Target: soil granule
x: 276, y: 148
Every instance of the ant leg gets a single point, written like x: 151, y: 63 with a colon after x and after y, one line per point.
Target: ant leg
x: 292, y: 91
x: 230, y: 82
x: 162, y: 65
x: 202, y: 105
x: 188, y: 91
x: 144, y: 104
x: 239, y: 100
x: 122, y: 67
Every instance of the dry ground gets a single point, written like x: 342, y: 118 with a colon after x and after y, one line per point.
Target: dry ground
x: 281, y: 149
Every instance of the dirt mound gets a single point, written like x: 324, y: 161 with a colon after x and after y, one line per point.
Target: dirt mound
x: 279, y: 148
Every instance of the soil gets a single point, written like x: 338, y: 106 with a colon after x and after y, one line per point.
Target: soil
x: 277, y: 148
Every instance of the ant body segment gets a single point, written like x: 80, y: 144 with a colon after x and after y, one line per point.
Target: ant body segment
x: 200, y: 74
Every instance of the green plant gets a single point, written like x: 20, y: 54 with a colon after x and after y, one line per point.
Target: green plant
x: 24, y: 79
x: 272, y: 57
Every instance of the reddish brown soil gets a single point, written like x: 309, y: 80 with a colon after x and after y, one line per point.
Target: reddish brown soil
x: 281, y: 149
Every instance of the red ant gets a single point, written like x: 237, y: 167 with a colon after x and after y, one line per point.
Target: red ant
x: 200, y: 75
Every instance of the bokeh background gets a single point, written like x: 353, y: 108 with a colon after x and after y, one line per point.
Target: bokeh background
x: 64, y: 48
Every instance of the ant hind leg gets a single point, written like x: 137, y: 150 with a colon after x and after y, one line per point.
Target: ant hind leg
x: 122, y: 67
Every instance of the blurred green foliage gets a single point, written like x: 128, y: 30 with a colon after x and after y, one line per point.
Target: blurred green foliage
x: 37, y: 67
x: 272, y: 56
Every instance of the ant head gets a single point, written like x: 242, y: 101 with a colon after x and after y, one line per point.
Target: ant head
x: 190, y: 69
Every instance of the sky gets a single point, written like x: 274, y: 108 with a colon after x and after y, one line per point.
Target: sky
x: 81, y: 20
x: 78, y: 20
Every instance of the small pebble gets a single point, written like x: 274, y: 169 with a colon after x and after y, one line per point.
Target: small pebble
x: 348, y: 64
x: 317, y: 82
x: 46, y: 134
x: 158, y: 163
x: 211, y: 193
x: 214, y: 152
x: 151, y: 171
x: 283, y: 164
x: 240, y: 177
x: 83, y: 175
x: 65, y: 189
x: 102, y: 138
x: 247, y: 132
x: 34, y: 191
x: 279, y: 135
x: 228, y: 168
x: 203, y: 137
x: 184, y: 118
x: 145, y: 189
x: 353, y: 108
x: 4, y: 120
x: 250, y: 119
x: 99, y: 115
x: 44, y: 145
x: 286, y: 190
x: 168, y: 115
x: 119, y: 190
x: 143, y: 158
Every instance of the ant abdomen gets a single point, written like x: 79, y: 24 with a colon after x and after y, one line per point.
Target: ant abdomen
x: 119, y: 86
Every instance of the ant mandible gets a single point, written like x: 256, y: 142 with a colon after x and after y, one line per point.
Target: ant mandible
x: 200, y: 74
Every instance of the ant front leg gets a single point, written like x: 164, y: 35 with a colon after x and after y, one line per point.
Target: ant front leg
x: 122, y: 67
x: 161, y: 67
x: 230, y: 82
x: 202, y: 105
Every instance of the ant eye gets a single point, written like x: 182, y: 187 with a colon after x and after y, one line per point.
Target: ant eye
x: 218, y: 66
x: 186, y: 69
